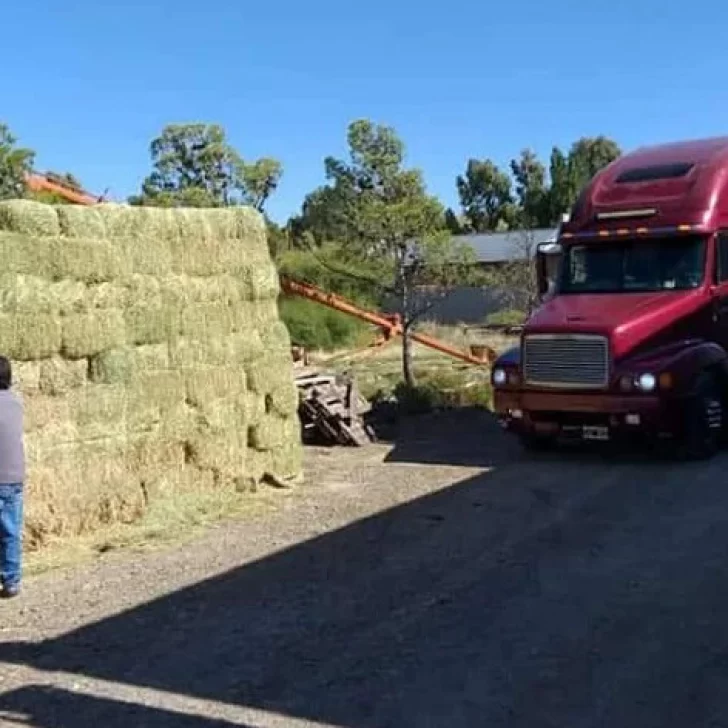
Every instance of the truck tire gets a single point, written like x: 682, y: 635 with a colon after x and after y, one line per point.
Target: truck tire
x: 703, y: 422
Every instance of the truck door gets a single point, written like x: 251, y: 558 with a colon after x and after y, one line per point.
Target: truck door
x: 720, y: 303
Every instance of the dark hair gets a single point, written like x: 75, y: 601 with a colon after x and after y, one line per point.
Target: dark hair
x: 6, y: 373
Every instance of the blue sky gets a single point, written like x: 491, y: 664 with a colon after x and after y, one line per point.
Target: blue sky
x: 90, y: 84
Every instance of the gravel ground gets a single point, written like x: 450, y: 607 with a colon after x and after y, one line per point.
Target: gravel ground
x: 446, y: 581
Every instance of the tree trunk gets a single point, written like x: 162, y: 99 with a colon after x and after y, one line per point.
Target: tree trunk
x: 407, y: 373
x: 403, y: 287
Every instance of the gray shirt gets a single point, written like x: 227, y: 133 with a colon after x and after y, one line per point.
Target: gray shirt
x: 12, y: 449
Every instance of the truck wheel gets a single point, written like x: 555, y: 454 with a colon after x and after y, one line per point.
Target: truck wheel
x: 703, y: 421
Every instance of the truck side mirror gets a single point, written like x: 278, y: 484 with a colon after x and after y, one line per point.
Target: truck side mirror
x: 548, y: 257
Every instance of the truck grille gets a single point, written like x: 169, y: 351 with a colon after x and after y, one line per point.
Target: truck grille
x: 575, y: 362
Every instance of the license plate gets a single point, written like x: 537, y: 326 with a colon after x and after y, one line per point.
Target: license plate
x: 593, y: 432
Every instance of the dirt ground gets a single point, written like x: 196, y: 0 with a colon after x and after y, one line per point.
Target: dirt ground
x: 442, y: 580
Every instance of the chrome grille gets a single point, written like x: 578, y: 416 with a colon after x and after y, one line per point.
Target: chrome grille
x: 572, y: 361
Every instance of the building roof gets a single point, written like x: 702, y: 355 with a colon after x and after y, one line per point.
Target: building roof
x: 506, y: 246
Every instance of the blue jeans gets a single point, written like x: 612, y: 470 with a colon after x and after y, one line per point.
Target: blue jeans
x: 11, y: 534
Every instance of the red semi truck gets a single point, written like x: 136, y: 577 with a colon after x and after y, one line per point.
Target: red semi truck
x: 631, y: 336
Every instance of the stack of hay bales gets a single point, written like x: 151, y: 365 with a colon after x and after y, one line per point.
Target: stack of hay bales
x: 150, y: 354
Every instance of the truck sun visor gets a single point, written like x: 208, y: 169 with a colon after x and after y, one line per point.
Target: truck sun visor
x: 655, y: 172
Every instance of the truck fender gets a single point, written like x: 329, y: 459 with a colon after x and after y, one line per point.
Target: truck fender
x: 689, y: 362
x: 509, y: 358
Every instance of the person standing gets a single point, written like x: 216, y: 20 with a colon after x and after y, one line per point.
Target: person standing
x: 12, y: 478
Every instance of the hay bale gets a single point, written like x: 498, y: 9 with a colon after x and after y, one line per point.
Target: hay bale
x: 156, y: 398
x: 26, y: 294
x: 78, y: 221
x: 206, y: 321
x: 27, y: 256
x: 26, y: 377
x: 115, y: 366
x: 154, y: 357
x: 88, y: 334
x: 286, y: 462
x: 29, y: 218
x: 205, y: 384
x: 276, y: 339
x: 135, y: 332
x: 28, y: 337
x: 88, y: 260
x: 273, y: 433
x: 98, y: 411
x: 223, y: 453
x: 59, y: 376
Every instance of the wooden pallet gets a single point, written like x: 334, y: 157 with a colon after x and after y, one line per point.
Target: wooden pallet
x: 331, y: 409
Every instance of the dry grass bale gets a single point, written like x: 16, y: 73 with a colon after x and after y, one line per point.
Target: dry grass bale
x: 115, y: 366
x: 153, y: 357
x: 276, y: 338
x: 45, y: 411
x: 26, y: 256
x: 217, y: 242
x: 272, y: 433
x: 204, y: 384
x: 79, y: 221
x: 222, y: 453
x: 151, y: 324
x: 261, y: 282
x: 156, y: 398
x: 88, y: 260
x: 26, y: 377
x: 26, y: 294
x: 255, y: 409
x: 139, y: 329
x: 59, y: 376
x: 234, y: 350
x: 29, y: 218
x: 151, y: 457
x: 206, y: 321
x: 99, y: 411
x: 88, y: 334
x: 28, y: 337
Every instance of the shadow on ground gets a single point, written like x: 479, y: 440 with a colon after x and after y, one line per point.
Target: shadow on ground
x: 542, y: 593
x: 49, y: 707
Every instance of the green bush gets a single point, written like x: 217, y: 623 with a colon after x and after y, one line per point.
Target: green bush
x: 507, y: 317
x: 442, y: 390
x: 313, y: 325
x: 329, y: 268
x: 317, y: 327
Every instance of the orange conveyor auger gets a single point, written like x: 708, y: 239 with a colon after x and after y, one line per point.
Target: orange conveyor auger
x: 390, y: 325
x: 41, y: 183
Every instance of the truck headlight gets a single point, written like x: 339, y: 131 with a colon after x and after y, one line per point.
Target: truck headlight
x: 499, y: 377
x: 647, y: 382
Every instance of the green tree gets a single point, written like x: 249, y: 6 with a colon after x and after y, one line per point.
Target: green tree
x: 529, y: 174
x: 195, y: 166
x: 15, y: 163
x: 571, y: 172
x: 259, y: 180
x: 325, y: 215
x: 395, y: 220
x: 485, y: 195
x: 453, y: 223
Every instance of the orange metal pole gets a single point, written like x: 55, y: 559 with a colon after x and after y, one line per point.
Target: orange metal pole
x: 338, y: 303
x: 39, y: 183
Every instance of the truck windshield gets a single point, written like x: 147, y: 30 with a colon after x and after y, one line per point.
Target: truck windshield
x: 660, y: 264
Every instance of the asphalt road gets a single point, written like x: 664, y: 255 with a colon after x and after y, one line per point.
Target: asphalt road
x: 446, y: 581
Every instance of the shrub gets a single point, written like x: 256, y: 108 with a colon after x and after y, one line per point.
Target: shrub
x: 507, y: 317
x: 317, y: 327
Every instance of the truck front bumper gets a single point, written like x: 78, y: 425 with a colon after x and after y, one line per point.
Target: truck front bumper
x: 580, y: 416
